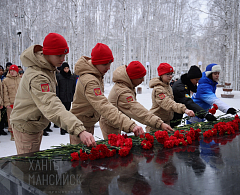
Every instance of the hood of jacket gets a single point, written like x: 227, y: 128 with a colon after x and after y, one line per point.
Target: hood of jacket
x: 10, y: 76
x: 156, y: 81
x: 33, y: 57
x: 84, y: 66
x: 120, y: 76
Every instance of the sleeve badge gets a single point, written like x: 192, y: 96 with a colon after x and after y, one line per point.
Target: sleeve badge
x: 187, y: 96
x: 97, y: 91
x: 162, y: 96
x: 129, y: 99
x: 45, y: 87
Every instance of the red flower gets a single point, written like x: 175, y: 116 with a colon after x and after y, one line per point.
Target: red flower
x: 92, y: 157
x: 215, y: 106
x: 169, y: 144
x: 189, y: 140
x: 74, y: 156
x: 84, y: 156
x: 146, y: 144
x: 149, y: 137
x: 123, y: 152
x: 212, y: 111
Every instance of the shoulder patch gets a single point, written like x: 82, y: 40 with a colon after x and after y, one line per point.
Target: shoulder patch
x: 45, y: 87
x: 129, y: 99
x: 97, y: 91
x: 187, y: 96
x: 162, y: 96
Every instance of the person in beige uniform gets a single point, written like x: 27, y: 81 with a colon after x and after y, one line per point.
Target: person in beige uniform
x: 36, y: 102
x: 123, y: 96
x: 163, y: 104
x: 10, y: 85
x: 89, y: 102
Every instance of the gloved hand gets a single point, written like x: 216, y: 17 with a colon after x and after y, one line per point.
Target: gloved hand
x: 210, y: 117
x: 231, y: 111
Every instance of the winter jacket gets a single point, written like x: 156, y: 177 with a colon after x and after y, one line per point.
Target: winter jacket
x: 66, y: 83
x: 10, y: 86
x: 1, y: 94
x: 89, y: 102
x: 36, y: 102
x: 181, y: 92
x: 206, y: 97
x: 163, y: 104
x: 123, y: 96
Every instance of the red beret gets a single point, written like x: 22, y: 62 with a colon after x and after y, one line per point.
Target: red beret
x: 101, y: 54
x: 164, y: 68
x: 135, y: 70
x: 14, y: 67
x: 55, y: 44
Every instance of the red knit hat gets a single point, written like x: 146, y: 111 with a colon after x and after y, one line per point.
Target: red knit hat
x: 135, y: 70
x: 164, y: 68
x: 55, y: 44
x: 101, y: 54
x: 14, y: 67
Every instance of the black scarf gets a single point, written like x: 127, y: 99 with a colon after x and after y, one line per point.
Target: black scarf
x: 64, y: 74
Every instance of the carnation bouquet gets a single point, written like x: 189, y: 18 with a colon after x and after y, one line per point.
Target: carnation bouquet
x: 123, y: 145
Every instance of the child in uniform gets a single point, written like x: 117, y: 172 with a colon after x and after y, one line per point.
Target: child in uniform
x: 10, y: 87
x: 89, y: 102
x: 123, y: 96
x: 36, y: 102
x: 163, y: 104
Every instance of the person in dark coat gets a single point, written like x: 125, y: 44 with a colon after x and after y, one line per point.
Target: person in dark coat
x: 66, y: 87
x: 181, y: 91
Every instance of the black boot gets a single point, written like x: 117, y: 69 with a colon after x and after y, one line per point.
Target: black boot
x: 2, y: 132
x: 55, y: 126
x: 63, y: 132
x: 48, y: 128
x: 45, y: 133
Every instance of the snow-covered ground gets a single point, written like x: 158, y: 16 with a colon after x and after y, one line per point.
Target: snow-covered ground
x: 7, y: 147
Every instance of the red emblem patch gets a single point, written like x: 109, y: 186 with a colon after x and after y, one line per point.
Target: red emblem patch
x: 97, y: 91
x: 45, y: 87
x: 162, y: 96
x: 129, y: 99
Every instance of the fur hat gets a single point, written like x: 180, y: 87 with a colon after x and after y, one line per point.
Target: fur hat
x: 164, y: 68
x: 101, y: 54
x: 14, y: 67
x: 135, y: 70
x: 194, y: 72
x: 212, y: 68
x: 55, y: 44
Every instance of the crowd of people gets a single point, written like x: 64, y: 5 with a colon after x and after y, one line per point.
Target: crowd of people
x: 76, y: 103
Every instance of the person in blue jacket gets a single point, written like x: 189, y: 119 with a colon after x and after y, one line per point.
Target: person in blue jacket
x: 205, y: 95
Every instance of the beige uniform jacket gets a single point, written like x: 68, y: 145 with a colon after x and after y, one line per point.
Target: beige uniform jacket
x: 89, y: 102
x: 123, y: 96
x: 10, y: 85
x: 36, y: 102
x: 163, y: 104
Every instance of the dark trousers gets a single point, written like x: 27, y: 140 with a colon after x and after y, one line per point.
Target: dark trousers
x: 67, y: 106
x: 3, y: 118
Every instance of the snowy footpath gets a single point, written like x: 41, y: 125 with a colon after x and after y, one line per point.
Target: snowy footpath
x: 7, y: 147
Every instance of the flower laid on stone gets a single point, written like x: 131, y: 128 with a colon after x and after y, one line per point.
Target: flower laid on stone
x: 122, y: 145
x: 214, y: 109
